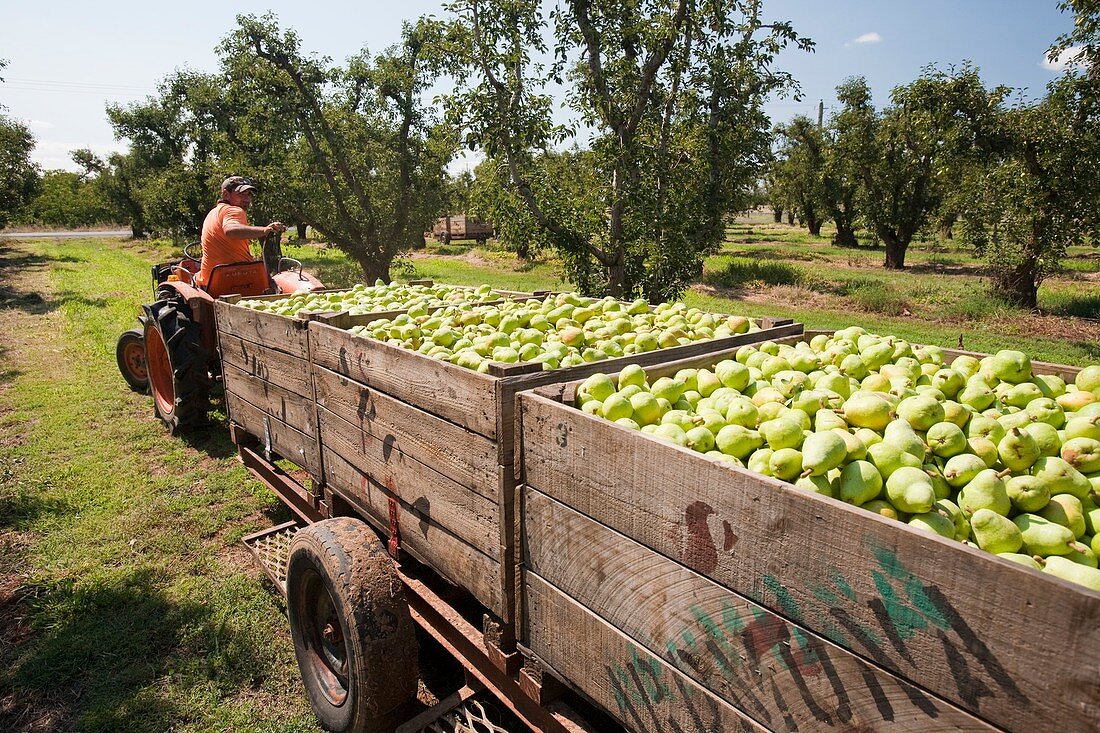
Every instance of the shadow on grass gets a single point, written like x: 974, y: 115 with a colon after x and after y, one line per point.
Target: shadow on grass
x: 103, y: 647
x: 1085, y: 305
x: 740, y: 273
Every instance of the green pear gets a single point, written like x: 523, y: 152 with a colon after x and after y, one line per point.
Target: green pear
x: 690, y: 379
x: 1011, y: 366
x: 1092, y: 515
x: 599, y: 386
x: 954, y: 412
x: 965, y: 365
x: 759, y: 461
x: 647, y: 410
x: 1044, y: 537
x: 961, y: 469
x: 939, y: 483
x: 671, y: 433
x: 669, y: 388
x: 976, y: 395
x: 1060, y: 477
x: 860, y: 482
x: 1046, y: 410
x: 1067, y: 511
x: 1088, y: 379
x: 781, y: 432
x: 957, y: 515
x: 822, y: 452
x: 1066, y: 569
x: 874, y: 383
x: 741, y: 411
x: 856, y: 450
x: 627, y: 422
x: 901, y: 435
x: 867, y: 410
x: 836, y: 383
x: 985, y: 491
x: 1076, y: 401
x: 1085, y: 556
x: 1083, y: 454
x: 592, y: 406
x: 732, y: 460
x: 946, y: 439
x: 785, y: 464
x: 1018, y: 450
x: 798, y: 416
x: 828, y: 420
x: 1020, y: 395
x: 732, y: 374
x: 1027, y: 493
x: 770, y: 411
x: 920, y: 412
x: 948, y: 381
x: 881, y: 507
x: 994, y: 532
x: 707, y: 382
x: 818, y: 484
x: 985, y: 449
x: 1094, y: 545
x: 632, y: 374
x: 1051, y: 384
x: 1046, y: 437
x: 738, y: 441
x: 935, y: 522
x: 1020, y: 559
x: 1087, y: 426
x: 867, y: 436
x: 700, y: 439
x: 616, y: 406
x: 985, y: 427
x: 1014, y: 417
x: 910, y: 490
x: 888, y: 458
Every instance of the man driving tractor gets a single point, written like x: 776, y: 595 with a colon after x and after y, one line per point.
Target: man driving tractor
x: 225, y: 231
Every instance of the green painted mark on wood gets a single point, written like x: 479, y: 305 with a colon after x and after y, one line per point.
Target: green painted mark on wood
x: 914, y: 588
x: 783, y: 596
x: 842, y: 584
x: 824, y: 595
x: 906, y: 620
x: 889, y: 562
x: 715, y: 633
x: 649, y: 671
x: 731, y: 620
x: 803, y: 647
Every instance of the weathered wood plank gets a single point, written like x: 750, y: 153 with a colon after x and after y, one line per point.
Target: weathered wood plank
x: 784, y: 677
x: 288, y: 442
x: 284, y: 370
x: 642, y: 691
x: 295, y: 410
x: 961, y: 622
x: 469, y: 516
x: 457, y: 561
x: 275, y: 332
x: 460, y: 395
x: 465, y: 456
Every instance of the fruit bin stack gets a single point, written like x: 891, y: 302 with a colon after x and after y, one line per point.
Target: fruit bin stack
x: 840, y: 530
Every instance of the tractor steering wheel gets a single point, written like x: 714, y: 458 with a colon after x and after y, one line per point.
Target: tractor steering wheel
x: 187, y: 251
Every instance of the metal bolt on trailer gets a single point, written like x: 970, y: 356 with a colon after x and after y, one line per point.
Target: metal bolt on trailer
x: 493, y: 678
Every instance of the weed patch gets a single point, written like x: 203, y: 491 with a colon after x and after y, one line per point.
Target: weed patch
x: 741, y: 273
x: 878, y: 297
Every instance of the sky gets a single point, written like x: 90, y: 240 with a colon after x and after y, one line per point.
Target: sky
x: 68, y: 60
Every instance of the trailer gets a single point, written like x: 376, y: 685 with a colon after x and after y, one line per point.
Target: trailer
x: 588, y: 577
x: 461, y: 226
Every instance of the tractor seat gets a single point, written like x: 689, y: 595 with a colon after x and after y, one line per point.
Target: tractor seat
x: 239, y: 278
x: 186, y: 271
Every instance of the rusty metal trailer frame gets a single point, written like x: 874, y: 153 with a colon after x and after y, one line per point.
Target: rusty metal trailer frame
x: 487, y: 667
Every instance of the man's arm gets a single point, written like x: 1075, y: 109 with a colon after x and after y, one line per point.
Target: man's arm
x: 236, y: 230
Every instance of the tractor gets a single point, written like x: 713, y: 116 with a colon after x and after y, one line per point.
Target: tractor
x: 174, y: 355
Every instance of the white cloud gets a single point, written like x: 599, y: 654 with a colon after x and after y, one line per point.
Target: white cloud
x: 41, y: 124
x: 54, y: 154
x: 872, y: 37
x: 1064, y: 59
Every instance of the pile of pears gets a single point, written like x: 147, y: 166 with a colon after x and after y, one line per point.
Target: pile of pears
x: 981, y: 451
x: 559, y: 331
x: 381, y: 296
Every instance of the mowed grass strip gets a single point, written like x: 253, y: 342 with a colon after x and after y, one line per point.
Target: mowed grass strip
x: 126, y: 600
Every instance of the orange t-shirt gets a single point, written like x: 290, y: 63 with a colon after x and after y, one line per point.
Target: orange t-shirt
x: 218, y: 249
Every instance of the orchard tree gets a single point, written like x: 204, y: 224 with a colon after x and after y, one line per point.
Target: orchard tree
x: 18, y: 175
x: 359, y: 156
x: 671, y: 94
x: 115, y: 181
x: 801, y: 170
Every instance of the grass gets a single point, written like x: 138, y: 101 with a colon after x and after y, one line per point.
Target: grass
x: 126, y: 601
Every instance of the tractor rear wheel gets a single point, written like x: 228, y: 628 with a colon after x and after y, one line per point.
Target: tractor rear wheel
x: 178, y: 365
x: 353, y: 634
x: 130, y: 355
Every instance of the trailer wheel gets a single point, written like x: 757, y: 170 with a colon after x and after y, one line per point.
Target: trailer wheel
x: 130, y: 355
x: 352, y: 631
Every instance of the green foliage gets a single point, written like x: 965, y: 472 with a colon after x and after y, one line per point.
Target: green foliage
x: 65, y: 200
x: 18, y: 176
x: 672, y: 95
x: 741, y: 272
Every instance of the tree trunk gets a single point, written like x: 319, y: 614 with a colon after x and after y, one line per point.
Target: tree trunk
x: 844, y: 236
x: 373, y: 270
x: 813, y: 223
x: 1017, y: 286
x: 616, y: 278
x: 777, y: 214
x: 947, y: 226
x: 790, y: 218
x: 301, y: 231
x: 895, y: 253
x: 523, y: 249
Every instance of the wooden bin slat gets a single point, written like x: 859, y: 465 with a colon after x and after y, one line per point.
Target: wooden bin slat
x: 286, y: 440
x: 275, y: 332
x: 465, y: 456
x: 284, y: 370
x: 297, y: 411
x: 457, y: 561
x: 933, y: 611
x: 469, y: 516
x: 644, y: 692
x: 784, y: 677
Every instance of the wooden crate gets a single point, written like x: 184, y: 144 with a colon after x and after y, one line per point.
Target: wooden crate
x: 437, y: 440
x: 268, y: 387
x: 678, y: 590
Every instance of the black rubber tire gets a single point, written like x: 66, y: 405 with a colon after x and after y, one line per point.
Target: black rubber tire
x: 353, y: 635
x: 185, y: 400
x: 130, y: 356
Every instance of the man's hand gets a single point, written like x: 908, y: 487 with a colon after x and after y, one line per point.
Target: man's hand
x: 275, y: 227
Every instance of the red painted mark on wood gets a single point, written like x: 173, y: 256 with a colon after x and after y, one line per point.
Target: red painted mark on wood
x: 731, y: 538
x: 699, y: 551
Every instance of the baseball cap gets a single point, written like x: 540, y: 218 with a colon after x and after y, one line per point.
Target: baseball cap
x: 238, y: 183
